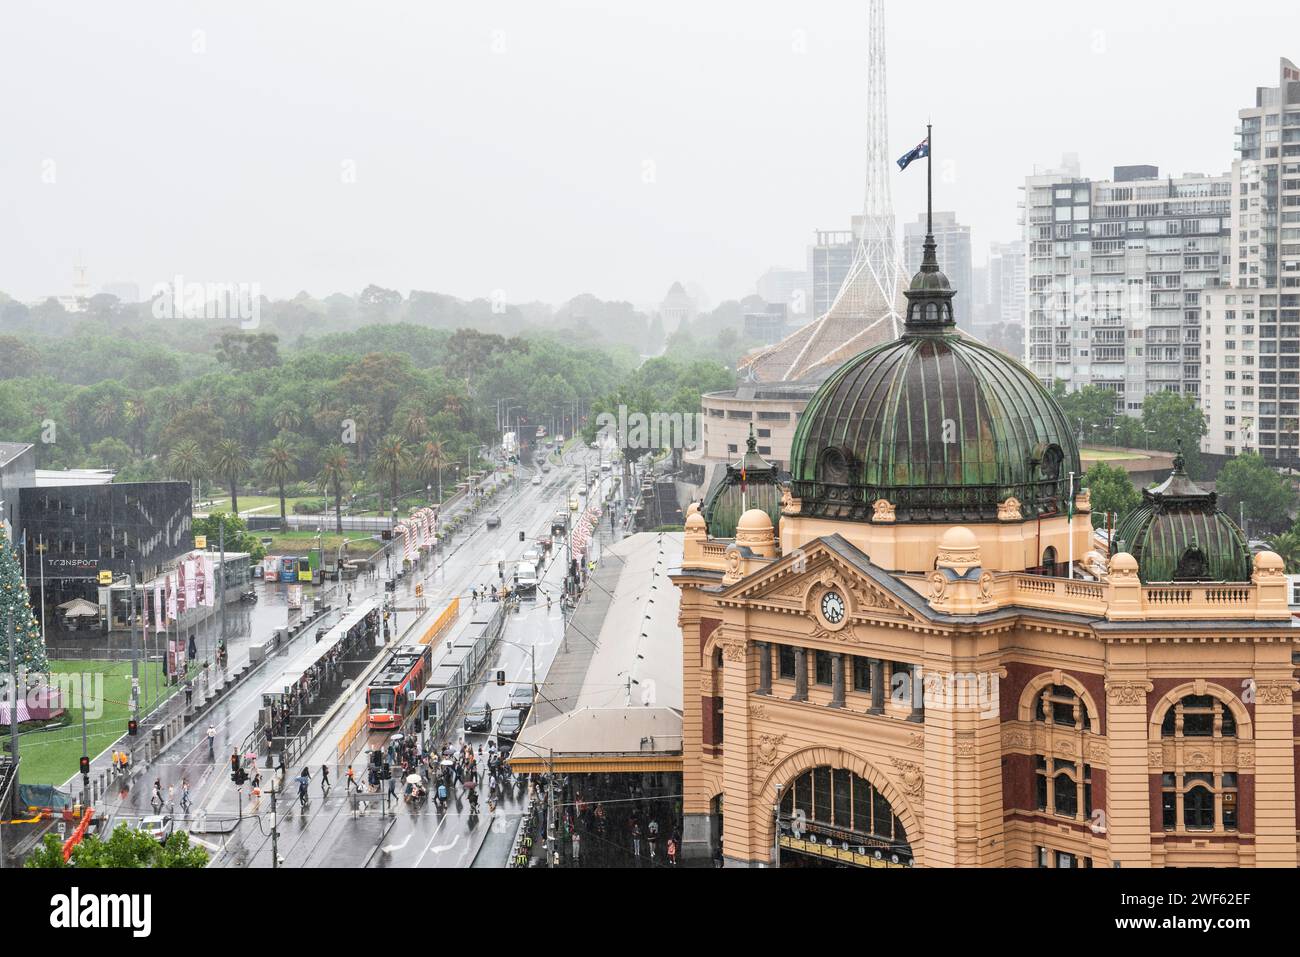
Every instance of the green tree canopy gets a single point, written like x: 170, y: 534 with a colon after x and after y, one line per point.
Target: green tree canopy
x: 1269, y: 499
x: 1112, y: 491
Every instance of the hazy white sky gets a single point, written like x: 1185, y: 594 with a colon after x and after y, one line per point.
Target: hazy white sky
x: 474, y: 147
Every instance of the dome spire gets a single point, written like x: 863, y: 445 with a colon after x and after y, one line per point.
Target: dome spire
x: 929, y: 298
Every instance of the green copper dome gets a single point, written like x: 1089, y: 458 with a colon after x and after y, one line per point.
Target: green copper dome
x: 750, y: 482
x: 1179, y: 534
x: 942, y: 427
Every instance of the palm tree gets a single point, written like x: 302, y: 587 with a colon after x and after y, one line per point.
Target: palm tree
x: 136, y: 414
x: 416, y: 426
x: 1287, y: 547
x: 391, y: 457
x: 229, y: 461
x: 335, y: 475
x: 186, y: 463
x: 105, y: 412
x: 279, y: 465
x: 433, y: 458
x: 288, y: 419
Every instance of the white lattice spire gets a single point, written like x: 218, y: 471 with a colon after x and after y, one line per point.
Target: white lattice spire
x: 869, y: 307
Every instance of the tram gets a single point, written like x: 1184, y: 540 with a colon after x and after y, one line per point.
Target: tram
x: 392, y: 694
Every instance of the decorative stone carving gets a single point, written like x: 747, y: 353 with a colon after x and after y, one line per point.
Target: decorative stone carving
x: 1009, y: 511
x: 733, y: 566
x: 788, y: 504
x: 1064, y: 747
x: 1096, y: 751
x: 734, y: 650
x: 758, y: 712
x: 1246, y: 757
x: 986, y: 586
x: 1127, y: 692
x: 964, y: 744
x: 938, y: 586
x: 768, y: 750
x: 916, y: 740
x: 1198, y: 760
x: 1155, y: 757
x: 1274, y: 692
x: 882, y: 511
x: 911, y: 776
x: 1083, y: 501
x: 1014, y: 738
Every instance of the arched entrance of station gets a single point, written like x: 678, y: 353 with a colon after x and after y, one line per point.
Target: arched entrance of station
x: 832, y: 817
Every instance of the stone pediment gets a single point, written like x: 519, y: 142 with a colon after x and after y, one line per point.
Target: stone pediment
x: 796, y: 582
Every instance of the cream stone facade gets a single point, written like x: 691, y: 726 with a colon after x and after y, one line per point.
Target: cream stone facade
x: 979, y: 653
x: 923, y: 661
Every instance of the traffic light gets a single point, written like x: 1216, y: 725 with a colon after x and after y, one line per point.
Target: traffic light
x: 385, y: 535
x: 501, y: 679
x: 132, y: 727
x: 85, y: 766
x: 521, y: 534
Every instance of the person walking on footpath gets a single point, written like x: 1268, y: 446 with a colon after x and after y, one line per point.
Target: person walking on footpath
x: 672, y: 852
x: 324, y: 780
x: 352, y: 778
x: 212, y: 742
x: 577, y: 843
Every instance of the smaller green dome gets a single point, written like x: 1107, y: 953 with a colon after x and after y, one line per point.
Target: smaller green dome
x: 1178, y: 534
x: 750, y: 482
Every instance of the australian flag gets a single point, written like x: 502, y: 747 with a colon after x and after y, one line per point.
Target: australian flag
x: 920, y: 151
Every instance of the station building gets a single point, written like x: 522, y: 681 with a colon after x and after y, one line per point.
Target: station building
x: 924, y: 660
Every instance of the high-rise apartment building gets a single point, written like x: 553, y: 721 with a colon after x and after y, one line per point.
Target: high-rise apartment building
x: 953, y: 240
x: 1116, y: 270
x: 1251, y: 332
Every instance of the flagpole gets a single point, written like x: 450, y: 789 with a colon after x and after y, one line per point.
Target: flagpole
x: 929, y: 179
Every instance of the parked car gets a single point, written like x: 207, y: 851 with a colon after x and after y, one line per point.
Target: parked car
x: 509, y: 725
x: 478, y: 719
x: 494, y: 521
x: 521, y: 700
x: 157, y: 826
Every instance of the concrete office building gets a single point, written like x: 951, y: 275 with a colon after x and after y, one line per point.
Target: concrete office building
x: 1116, y: 270
x: 1251, y: 332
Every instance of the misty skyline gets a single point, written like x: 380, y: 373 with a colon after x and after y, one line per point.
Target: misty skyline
x: 538, y: 151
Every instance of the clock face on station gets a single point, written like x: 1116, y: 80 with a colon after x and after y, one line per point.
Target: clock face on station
x: 833, y: 607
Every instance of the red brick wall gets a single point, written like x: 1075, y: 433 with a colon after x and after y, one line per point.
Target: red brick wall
x: 1018, y: 782
x: 1020, y: 674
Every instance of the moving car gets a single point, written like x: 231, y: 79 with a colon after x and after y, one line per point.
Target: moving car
x: 546, y: 466
x: 494, y: 521
x: 521, y: 700
x: 509, y: 725
x: 157, y: 826
x: 478, y: 719
x: 537, y: 480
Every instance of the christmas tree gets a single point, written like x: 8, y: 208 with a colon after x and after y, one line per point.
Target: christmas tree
x: 16, y: 605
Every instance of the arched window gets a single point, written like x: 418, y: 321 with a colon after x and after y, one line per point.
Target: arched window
x: 834, y: 467
x: 1049, y: 560
x: 1204, y: 799
x: 1063, y: 788
x: 1051, y: 464
x: 1199, y: 716
x: 836, y: 804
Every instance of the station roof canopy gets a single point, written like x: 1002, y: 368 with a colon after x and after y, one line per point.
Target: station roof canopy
x: 612, y: 699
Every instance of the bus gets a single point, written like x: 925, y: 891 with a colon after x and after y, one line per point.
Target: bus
x: 392, y: 694
x: 288, y: 569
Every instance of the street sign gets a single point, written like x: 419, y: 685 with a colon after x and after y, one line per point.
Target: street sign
x: 106, y: 578
x: 200, y: 542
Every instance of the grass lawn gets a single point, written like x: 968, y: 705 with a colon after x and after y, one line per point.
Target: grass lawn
x: 50, y: 756
x: 270, y: 504
x: 298, y: 543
